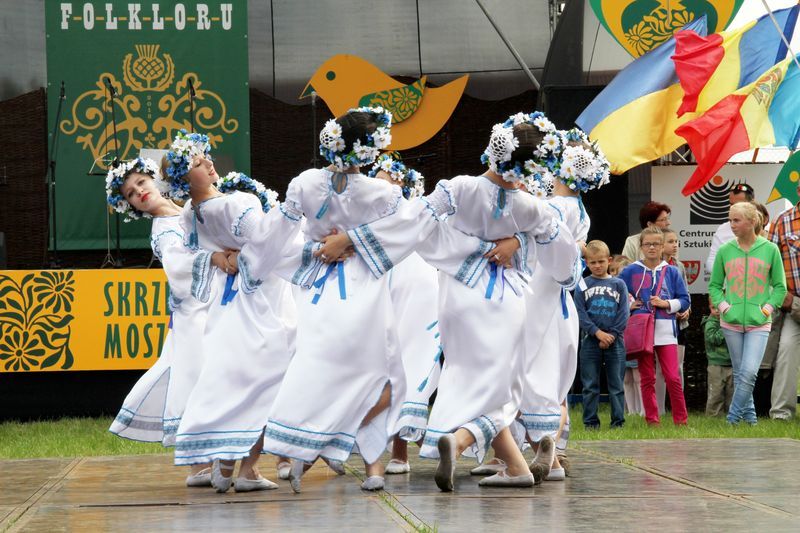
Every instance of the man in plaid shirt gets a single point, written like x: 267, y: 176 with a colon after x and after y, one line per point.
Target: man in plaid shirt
x: 785, y: 232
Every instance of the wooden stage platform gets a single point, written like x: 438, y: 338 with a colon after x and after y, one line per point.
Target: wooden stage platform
x: 693, y: 485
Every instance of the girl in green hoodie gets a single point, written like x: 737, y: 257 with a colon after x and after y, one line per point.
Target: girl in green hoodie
x: 751, y: 270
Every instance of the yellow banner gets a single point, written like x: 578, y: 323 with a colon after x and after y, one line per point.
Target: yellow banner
x: 82, y: 319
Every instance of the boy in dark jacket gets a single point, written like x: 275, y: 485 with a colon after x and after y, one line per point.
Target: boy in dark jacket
x: 602, y: 304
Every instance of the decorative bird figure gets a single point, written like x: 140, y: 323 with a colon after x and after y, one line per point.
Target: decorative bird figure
x: 418, y: 112
x: 787, y: 181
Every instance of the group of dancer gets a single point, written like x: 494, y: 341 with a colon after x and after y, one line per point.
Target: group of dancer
x: 321, y: 325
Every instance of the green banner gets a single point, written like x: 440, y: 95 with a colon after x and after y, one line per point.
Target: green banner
x: 152, y: 54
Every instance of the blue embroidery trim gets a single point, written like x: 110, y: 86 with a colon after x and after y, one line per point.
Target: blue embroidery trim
x: 307, y: 258
x: 372, y: 263
x: 236, y: 228
x: 469, y: 267
x: 155, y: 241
x: 201, y: 276
x: 249, y: 285
x: 290, y: 214
x: 375, y: 245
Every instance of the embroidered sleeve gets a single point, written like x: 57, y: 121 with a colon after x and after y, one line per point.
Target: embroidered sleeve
x: 392, y: 202
x: 292, y: 207
x: 202, y: 271
x: 442, y: 200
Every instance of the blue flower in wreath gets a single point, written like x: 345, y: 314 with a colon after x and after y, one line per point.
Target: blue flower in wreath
x: 236, y: 181
x: 179, y: 159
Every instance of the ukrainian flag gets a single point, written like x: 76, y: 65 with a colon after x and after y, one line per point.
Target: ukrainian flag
x: 712, y: 67
x: 764, y: 113
x: 634, y: 118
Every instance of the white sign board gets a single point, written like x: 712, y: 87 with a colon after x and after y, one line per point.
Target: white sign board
x: 697, y: 217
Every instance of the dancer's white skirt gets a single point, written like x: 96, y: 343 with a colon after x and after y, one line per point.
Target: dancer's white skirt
x: 248, y: 346
x: 153, y: 408
x: 480, y: 387
x: 346, y: 353
x: 551, y: 358
x: 413, y: 285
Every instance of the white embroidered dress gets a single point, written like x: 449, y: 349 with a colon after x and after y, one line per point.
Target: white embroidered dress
x: 481, y: 308
x: 552, y: 354
x: 153, y: 408
x: 249, y: 337
x: 347, y: 347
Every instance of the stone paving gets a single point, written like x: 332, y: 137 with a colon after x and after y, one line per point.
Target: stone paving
x: 686, y: 485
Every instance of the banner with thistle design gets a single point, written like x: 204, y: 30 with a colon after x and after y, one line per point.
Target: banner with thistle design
x: 82, y: 319
x: 152, y: 53
x: 641, y: 25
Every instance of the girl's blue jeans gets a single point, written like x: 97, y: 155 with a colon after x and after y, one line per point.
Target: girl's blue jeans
x: 746, y: 350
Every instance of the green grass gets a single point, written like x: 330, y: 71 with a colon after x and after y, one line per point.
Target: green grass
x: 700, y: 427
x: 68, y: 437
x: 83, y: 437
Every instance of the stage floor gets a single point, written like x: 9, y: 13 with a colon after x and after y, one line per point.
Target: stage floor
x: 698, y: 485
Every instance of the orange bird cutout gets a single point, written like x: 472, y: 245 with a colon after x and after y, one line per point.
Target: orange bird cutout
x: 418, y: 112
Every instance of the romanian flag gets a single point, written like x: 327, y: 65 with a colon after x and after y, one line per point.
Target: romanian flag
x: 634, y: 118
x: 712, y: 67
x: 764, y: 113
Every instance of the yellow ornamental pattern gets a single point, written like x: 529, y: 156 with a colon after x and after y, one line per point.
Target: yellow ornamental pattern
x: 150, y: 108
x: 82, y: 319
x: 148, y: 72
x: 401, y: 101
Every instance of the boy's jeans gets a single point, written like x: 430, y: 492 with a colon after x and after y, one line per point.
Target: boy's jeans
x: 592, y: 358
x: 746, y: 350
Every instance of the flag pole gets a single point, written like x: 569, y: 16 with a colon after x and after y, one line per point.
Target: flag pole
x: 780, y: 32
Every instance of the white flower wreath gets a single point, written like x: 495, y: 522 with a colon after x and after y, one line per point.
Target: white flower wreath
x: 332, y: 145
x: 502, y: 144
x: 179, y: 160
x: 236, y: 181
x: 410, y: 181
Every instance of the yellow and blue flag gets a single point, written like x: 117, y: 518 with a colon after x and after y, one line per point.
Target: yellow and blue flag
x: 634, y: 118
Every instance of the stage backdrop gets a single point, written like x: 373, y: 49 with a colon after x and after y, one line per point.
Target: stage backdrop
x: 151, y: 53
x: 698, y: 216
x: 82, y: 319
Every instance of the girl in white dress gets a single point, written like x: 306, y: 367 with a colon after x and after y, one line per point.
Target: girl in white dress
x: 345, y: 385
x: 152, y: 410
x: 481, y: 310
x: 248, y: 340
x: 578, y: 166
x: 573, y: 166
x: 413, y: 285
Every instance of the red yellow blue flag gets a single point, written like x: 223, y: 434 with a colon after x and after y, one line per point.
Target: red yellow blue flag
x: 763, y: 113
x: 712, y: 67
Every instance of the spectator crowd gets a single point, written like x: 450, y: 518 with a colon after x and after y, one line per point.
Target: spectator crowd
x: 634, y: 308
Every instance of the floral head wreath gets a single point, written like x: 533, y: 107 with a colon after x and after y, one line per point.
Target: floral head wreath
x: 236, y: 181
x: 116, y: 177
x: 583, y: 165
x: 179, y: 159
x: 502, y: 144
x: 578, y: 163
x: 410, y: 181
x: 332, y: 145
